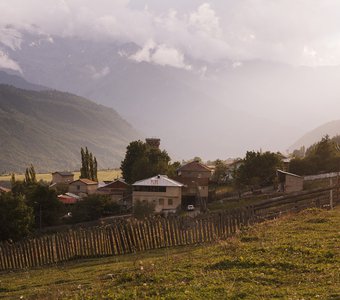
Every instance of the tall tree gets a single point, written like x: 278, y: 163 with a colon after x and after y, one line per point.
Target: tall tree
x: 45, y: 204
x: 220, y: 172
x: 16, y: 218
x: 258, y: 168
x: 88, y: 165
x: 142, y: 161
x: 323, y: 156
x: 30, y: 175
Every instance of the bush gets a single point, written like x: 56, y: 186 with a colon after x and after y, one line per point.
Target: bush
x: 93, y: 207
x: 143, y: 209
x: 16, y: 218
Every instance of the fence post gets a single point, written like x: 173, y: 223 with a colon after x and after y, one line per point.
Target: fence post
x: 331, y: 193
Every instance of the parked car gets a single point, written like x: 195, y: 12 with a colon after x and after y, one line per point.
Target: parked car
x: 190, y: 207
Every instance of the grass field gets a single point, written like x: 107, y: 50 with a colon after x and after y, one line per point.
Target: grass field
x: 102, y: 176
x: 295, y: 257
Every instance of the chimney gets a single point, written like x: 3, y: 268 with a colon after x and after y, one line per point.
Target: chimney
x: 153, y: 142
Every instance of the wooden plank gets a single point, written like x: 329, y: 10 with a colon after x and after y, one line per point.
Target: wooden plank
x: 116, y: 237
x: 2, y: 258
x: 109, y: 237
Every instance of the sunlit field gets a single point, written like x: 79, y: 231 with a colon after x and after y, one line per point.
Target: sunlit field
x: 295, y: 257
x: 103, y: 175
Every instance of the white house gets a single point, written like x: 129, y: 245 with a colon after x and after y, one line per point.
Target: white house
x: 163, y: 192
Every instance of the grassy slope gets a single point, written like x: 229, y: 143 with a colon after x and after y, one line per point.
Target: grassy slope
x: 296, y: 257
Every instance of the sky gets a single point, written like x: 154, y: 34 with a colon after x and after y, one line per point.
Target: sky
x: 196, y: 36
x: 295, y: 32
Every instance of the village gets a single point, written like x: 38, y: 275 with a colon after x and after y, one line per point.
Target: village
x: 191, y: 190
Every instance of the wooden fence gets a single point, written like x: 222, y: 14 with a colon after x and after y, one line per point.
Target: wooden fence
x: 130, y: 236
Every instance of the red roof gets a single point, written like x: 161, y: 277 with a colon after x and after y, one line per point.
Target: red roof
x: 86, y: 181
x: 4, y: 190
x: 67, y: 199
x: 194, y: 166
x: 117, y: 184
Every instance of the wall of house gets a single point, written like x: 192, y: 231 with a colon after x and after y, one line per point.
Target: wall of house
x: 57, y: 178
x: 79, y: 187
x: 293, y: 184
x: 193, y: 190
x: 195, y: 174
x: 170, y: 199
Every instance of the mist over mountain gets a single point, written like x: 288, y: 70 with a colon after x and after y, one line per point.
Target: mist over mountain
x: 330, y: 128
x: 210, y: 110
x: 48, y: 128
x: 19, y: 82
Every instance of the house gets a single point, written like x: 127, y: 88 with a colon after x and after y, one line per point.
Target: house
x: 195, y: 177
x: 83, y: 187
x: 163, y: 192
x: 118, y: 190
x: 62, y: 177
x: 289, y: 182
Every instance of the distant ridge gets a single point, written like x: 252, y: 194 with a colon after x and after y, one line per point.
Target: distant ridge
x: 331, y: 128
x: 19, y: 82
x: 47, y: 128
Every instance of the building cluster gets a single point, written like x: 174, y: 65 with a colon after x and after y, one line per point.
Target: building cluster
x: 190, y: 187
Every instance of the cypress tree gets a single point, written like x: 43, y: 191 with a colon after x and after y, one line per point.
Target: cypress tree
x: 88, y: 165
x: 91, y: 175
x: 82, y: 169
x: 95, y: 171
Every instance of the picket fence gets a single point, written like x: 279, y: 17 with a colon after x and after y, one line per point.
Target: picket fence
x: 131, y: 235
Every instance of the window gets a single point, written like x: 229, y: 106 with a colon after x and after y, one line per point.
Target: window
x: 170, y: 201
x: 78, y: 187
x: 157, y: 189
x: 161, y: 201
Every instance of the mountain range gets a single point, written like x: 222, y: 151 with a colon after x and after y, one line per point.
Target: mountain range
x: 47, y: 128
x: 208, y: 110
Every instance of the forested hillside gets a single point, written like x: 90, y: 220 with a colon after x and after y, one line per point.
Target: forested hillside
x: 47, y: 128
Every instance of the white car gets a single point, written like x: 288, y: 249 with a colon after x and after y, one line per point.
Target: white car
x: 190, y: 207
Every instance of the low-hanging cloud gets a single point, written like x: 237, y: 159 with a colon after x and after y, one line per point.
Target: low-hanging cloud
x: 160, y: 54
x: 7, y: 63
x: 301, y: 32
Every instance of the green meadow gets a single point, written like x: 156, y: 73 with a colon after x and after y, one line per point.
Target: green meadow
x: 295, y: 257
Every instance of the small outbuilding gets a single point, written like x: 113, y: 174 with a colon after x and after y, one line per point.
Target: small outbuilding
x: 289, y: 182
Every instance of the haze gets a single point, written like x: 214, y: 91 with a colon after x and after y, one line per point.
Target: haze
x: 210, y: 78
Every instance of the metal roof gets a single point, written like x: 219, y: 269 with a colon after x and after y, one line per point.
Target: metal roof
x: 287, y: 173
x: 159, y: 180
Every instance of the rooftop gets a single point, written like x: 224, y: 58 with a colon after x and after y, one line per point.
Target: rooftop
x: 159, y: 180
x: 86, y: 181
x: 194, y: 166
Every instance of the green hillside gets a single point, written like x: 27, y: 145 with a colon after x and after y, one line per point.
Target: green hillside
x: 47, y: 128
x: 295, y: 257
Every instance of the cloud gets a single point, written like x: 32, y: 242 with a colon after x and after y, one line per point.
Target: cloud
x: 10, y: 37
x: 7, y: 63
x: 161, y: 55
x: 213, y: 31
x: 97, y: 74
